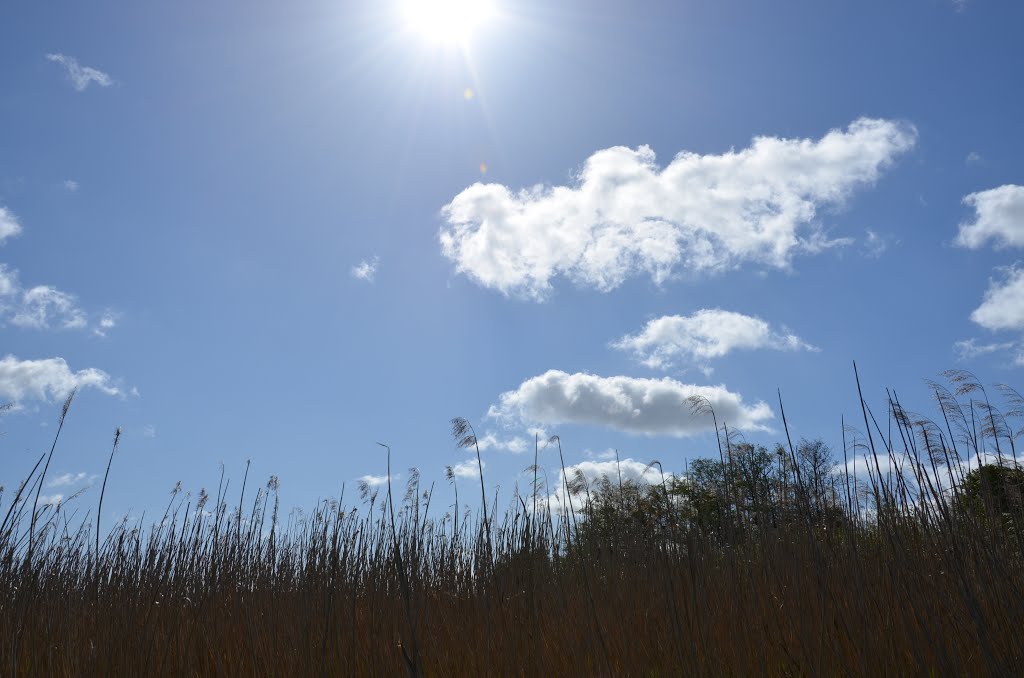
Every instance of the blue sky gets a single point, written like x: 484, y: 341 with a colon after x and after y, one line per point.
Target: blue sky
x: 285, y: 231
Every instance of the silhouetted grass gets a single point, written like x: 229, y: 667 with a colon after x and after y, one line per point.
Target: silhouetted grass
x: 911, y: 571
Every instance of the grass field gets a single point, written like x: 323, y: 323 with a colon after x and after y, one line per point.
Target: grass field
x: 914, y: 569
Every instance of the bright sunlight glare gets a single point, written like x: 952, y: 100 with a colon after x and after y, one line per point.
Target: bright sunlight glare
x: 447, y: 21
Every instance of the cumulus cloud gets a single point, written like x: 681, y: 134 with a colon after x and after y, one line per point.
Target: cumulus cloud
x: 9, y: 226
x: 707, y: 334
x: 630, y: 470
x: 80, y: 76
x: 48, y: 379
x: 1003, y: 305
x: 594, y: 473
x: 624, y: 216
x: 366, y: 269
x: 645, y: 406
x: 999, y: 217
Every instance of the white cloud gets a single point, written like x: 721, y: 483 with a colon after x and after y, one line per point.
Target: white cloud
x: 1003, y: 305
x: 999, y: 217
x: 80, y: 76
x: 515, y: 445
x: 107, y: 322
x: 970, y: 348
x: 973, y: 158
x: 149, y: 431
x: 71, y: 185
x: 366, y: 269
x: 646, y: 406
x: 468, y: 468
x: 707, y: 334
x: 376, y: 481
x: 69, y: 479
x: 47, y: 379
x: 9, y: 226
x: 595, y: 472
x: 50, y: 499
x: 630, y: 469
x: 44, y: 307
x: 625, y: 217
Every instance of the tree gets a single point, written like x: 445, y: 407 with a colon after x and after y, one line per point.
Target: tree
x: 996, y: 492
x: 817, y: 466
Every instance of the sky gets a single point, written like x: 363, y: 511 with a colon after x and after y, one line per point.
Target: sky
x: 286, y: 232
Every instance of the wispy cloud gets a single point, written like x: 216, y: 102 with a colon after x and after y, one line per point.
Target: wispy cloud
x: 41, y: 307
x: 973, y: 158
x: 876, y: 244
x: 71, y: 185
x: 515, y: 445
x: 705, y: 335
x: 9, y: 226
x: 624, y: 216
x: 968, y: 349
x: 44, y: 307
x: 366, y: 269
x: 71, y: 479
x: 80, y: 76
x: 48, y: 379
x: 653, y: 407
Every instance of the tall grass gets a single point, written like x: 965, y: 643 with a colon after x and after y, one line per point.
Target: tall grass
x: 900, y: 575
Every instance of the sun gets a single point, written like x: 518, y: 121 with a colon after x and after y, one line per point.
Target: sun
x: 447, y: 21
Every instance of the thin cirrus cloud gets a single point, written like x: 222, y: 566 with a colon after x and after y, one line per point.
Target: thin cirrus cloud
x: 653, y: 407
x: 624, y: 216
x: 47, y: 380
x: 80, y: 76
x: 703, y: 336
